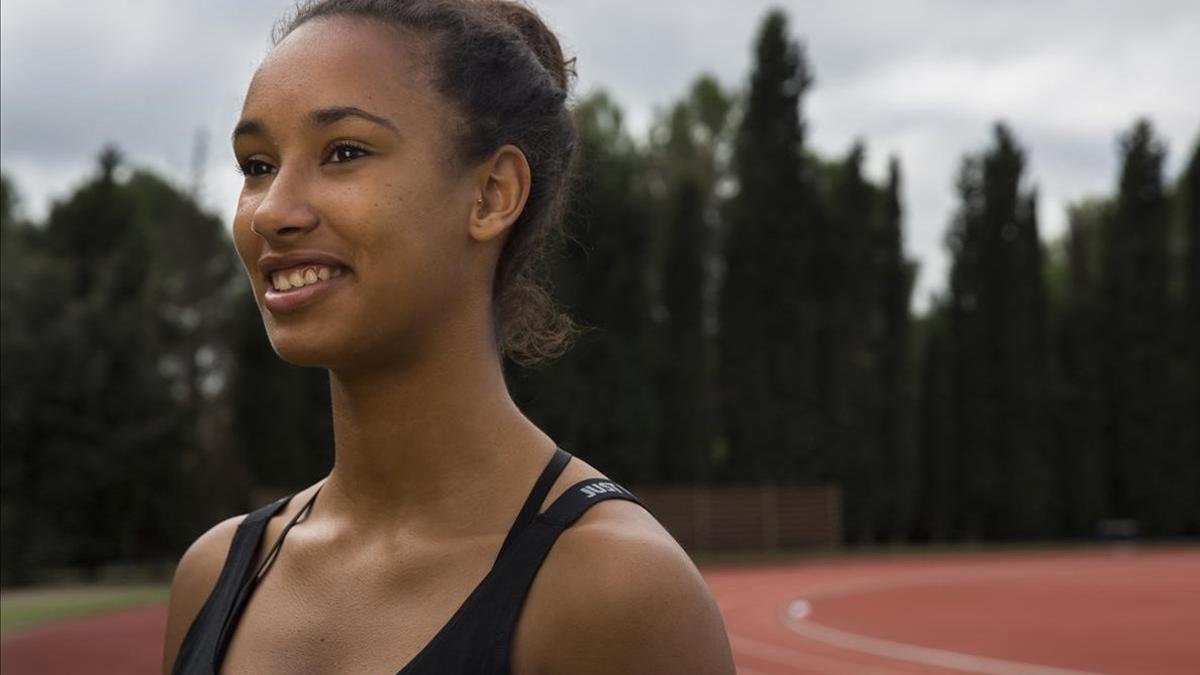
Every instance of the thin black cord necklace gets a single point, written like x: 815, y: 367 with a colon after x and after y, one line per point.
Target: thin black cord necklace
x: 300, y: 516
x: 250, y: 583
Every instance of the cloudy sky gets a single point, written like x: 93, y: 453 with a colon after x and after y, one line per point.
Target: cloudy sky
x: 922, y: 79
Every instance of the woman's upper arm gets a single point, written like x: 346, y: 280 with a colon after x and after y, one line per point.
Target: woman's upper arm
x: 195, y: 576
x: 640, y: 608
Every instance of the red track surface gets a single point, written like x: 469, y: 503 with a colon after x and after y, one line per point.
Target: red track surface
x: 1027, y: 614
x: 1045, y: 613
x: 127, y: 642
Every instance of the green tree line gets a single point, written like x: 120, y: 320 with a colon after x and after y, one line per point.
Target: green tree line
x: 747, y: 304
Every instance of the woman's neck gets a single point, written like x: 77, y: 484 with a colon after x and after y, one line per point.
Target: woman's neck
x: 417, y: 445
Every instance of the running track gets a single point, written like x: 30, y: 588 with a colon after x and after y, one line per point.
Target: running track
x: 1017, y: 614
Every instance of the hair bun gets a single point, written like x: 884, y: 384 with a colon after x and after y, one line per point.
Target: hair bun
x: 539, y: 38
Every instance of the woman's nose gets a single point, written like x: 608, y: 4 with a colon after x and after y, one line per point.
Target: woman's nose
x: 284, y: 212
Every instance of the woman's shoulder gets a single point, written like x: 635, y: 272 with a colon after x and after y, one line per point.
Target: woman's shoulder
x: 624, y: 531
x: 200, y: 566
x: 195, y: 576
x: 617, y: 593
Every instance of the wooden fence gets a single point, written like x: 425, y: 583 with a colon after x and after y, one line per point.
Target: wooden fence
x: 705, y: 518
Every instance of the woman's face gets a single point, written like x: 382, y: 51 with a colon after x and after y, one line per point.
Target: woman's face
x: 352, y: 222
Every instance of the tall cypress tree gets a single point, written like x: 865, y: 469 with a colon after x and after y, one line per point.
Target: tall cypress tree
x: 687, y: 174
x: 892, y: 432
x: 765, y: 344
x: 938, y: 501
x: 972, y: 408
x: 1031, y: 475
x: 997, y: 317
x: 31, y: 289
x: 849, y: 322
x: 1148, y: 476
x: 1191, y: 209
x: 1082, y: 467
x: 684, y: 453
x: 1190, y: 446
x: 857, y: 311
x: 11, y: 230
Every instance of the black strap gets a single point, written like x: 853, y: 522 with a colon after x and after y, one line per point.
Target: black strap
x: 201, y: 638
x: 575, y: 500
x: 518, y: 570
x: 247, y: 581
x: 533, y: 502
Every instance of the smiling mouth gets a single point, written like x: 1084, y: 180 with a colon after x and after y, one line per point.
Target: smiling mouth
x: 300, y: 276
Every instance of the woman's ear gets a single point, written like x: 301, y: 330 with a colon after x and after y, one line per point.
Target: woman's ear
x: 504, y: 182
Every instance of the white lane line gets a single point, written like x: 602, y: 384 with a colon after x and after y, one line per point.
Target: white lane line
x: 905, y: 579
x: 940, y: 658
x: 792, y: 658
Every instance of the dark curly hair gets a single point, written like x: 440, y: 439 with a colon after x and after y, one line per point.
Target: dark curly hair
x: 504, y: 70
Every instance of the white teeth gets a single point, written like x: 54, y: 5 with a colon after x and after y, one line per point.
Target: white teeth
x: 297, y: 278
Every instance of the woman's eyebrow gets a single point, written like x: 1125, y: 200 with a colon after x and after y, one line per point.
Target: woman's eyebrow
x: 326, y: 116
x: 322, y: 117
x: 246, y: 128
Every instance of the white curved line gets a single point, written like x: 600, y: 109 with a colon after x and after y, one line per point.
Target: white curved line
x: 785, y: 656
x: 747, y: 671
x: 940, y: 658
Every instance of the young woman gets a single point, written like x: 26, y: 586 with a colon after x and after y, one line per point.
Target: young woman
x: 403, y: 162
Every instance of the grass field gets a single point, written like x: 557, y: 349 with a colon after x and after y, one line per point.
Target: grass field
x: 25, y: 608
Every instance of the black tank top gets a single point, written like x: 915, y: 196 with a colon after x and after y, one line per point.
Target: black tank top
x: 476, y: 640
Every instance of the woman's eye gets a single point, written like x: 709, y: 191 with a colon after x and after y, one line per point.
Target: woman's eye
x: 254, y: 167
x: 344, y: 152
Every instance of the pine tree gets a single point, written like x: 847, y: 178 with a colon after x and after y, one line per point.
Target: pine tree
x: 1030, y: 479
x: 685, y: 423
x: 892, y: 408
x: 114, y: 380
x: 686, y: 431
x: 848, y: 320
x: 11, y: 230
x: 765, y: 344
x: 940, y: 496
x: 1082, y: 468
x: 688, y: 145
x: 30, y: 285
x: 1148, y: 476
x: 92, y: 426
x: 997, y: 317
x: 1190, y: 441
x: 193, y: 271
